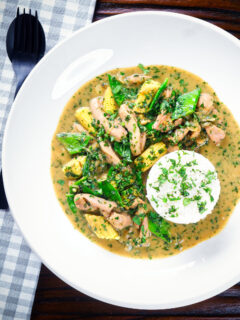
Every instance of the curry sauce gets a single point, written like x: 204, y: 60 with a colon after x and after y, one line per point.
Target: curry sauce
x: 225, y: 158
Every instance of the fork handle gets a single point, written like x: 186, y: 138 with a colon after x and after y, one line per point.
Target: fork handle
x: 19, y: 84
x: 3, y: 199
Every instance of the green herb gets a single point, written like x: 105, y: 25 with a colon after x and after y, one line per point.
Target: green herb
x: 202, y: 206
x: 182, y: 172
x: 186, y: 201
x: 123, y: 149
x: 74, y: 142
x: 137, y: 220
x: 110, y: 192
x: 157, y: 95
x: 71, y: 203
x: 210, y: 176
x: 158, y: 226
x: 61, y: 182
x: 87, y: 186
x: 186, y: 104
x: 144, y: 70
x: 120, y: 92
x: 149, y: 125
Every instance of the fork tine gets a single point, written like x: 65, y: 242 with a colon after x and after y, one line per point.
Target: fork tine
x: 36, y: 35
x: 16, y: 31
x: 29, y: 44
x: 24, y: 31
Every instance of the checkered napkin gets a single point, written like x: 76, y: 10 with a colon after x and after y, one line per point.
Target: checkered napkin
x: 19, y: 266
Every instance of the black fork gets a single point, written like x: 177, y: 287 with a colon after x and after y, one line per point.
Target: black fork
x: 25, y: 44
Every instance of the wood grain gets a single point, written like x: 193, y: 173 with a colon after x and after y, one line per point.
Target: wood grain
x: 224, y: 14
x: 54, y: 299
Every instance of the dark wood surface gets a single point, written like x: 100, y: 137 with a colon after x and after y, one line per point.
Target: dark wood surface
x: 56, y: 300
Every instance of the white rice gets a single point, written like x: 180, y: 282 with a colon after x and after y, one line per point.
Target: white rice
x: 183, y: 187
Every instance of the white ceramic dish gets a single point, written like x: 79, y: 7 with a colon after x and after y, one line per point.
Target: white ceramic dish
x: 125, y: 40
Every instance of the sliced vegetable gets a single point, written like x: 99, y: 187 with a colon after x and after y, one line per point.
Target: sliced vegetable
x: 71, y: 203
x: 85, y: 118
x: 74, y: 142
x: 158, y: 226
x: 110, y: 192
x: 145, y: 96
x: 186, y: 104
x: 123, y: 149
x: 151, y: 155
x: 109, y: 104
x: 159, y: 92
x: 74, y: 167
x: 101, y: 227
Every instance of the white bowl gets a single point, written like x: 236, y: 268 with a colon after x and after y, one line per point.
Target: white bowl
x: 123, y: 40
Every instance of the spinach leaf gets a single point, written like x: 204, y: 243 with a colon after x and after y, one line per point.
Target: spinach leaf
x: 110, y: 192
x: 158, y: 226
x: 144, y: 70
x: 123, y: 149
x: 149, y: 126
x: 86, y: 167
x: 157, y: 95
x: 87, y: 186
x: 71, y: 203
x: 120, y: 92
x: 74, y: 142
x: 186, y: 104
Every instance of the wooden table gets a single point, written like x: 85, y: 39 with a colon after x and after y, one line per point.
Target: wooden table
x: 55, y: 299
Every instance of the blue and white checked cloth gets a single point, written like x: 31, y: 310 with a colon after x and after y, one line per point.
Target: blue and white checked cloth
x: 19, y: 266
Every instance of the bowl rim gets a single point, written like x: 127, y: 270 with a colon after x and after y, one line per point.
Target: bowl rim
x: 13, y: 209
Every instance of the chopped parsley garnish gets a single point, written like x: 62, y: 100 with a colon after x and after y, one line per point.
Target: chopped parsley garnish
x: 144, y: 70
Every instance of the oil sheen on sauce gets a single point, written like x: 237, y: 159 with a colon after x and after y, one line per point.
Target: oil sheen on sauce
x: 225, y: 158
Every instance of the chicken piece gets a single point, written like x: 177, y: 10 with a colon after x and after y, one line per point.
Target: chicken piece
x: 179, y: 135
x: 143, y: 139
x: 111, y: 156
x: 217, y: 117
x: 205, y: 103
x: 163, y: 122
x: 130, y: 122
x: 178, y: 122
x: 167, y: 93
x: 172, y: 148
x: 136, y: 202
x: 79, y: 128
x: 113, y: 128
x: 143, y: 120
x: 136, y: 79
x: 101, y: 227
x: 195, y: 128
x: 120, y: 220
x: 201, y: 141
x: 215, y: 134
x: 90, y: 203
x: 144, y: 230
